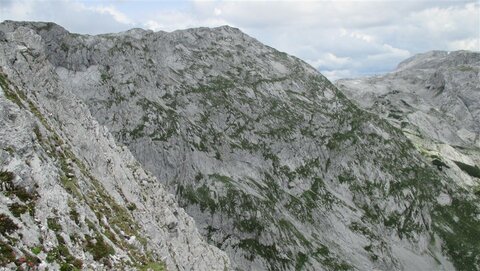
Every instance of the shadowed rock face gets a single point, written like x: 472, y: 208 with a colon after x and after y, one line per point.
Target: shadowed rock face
x: 277, y: 167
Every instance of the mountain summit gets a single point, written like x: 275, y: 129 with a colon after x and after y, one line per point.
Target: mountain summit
x: 278, y: 168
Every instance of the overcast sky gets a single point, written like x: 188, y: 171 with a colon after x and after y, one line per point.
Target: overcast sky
x: 340, y: 38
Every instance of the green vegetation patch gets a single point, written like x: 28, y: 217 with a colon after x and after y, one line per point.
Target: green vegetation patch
x: 9, y: 94
x: 459, y: 228
x: 267, y: 252
x: 200, y: 196
x: 338, y: 138
x: 62, y: 256
x: 131, y: 206
x: 7, y: 178
x: 37, y: 250
x: 301, y: 260
x: 18, y: 209
x: 7, y: 225
x: 294, y: 235
x: 162, y: 119
x: 473, y: 171
x: 99, y: 248
x: 250, y: 225
x: 329, y: 260
x: 299, y: 209
x: 7, y: 255
x: 152, y: 267
x: 439, y: 163
x: 465, y: 68
x: 53, y: 224
x: 75, y: 216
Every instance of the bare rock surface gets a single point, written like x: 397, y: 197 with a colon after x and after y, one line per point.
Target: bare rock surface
x: 277, y: 167
x: 71, y: 198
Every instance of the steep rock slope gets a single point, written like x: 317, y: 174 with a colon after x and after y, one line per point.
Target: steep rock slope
x: 70, y: 198
x: 277, y: 167
x: 435, y: 99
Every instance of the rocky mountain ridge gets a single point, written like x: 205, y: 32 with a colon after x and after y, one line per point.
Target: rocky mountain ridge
x: 71, y: 197
x: 277, y: 167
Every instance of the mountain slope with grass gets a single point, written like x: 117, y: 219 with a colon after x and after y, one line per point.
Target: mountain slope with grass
x: 277, y: 167
x: 70, y: 197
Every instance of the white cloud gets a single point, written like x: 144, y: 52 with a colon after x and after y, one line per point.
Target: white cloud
x: 110, y: 10
x: 361, y: 36
x: 153, y: 25
x: 435, y: 27
x: 173, y: 20
x: 73, y: 15
x: 472, y: 44
x: 329, y: 60
x: 338, y: 74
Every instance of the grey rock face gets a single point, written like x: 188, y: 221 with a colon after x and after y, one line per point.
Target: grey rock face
x: 71, y: 197
x: 435, y: 99
x: 277, y: 167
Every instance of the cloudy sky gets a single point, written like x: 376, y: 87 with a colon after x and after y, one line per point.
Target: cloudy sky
x: 340, y: 38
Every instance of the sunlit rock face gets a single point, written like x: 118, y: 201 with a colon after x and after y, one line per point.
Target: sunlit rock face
x: 70, y: 197
x: 278, y: 168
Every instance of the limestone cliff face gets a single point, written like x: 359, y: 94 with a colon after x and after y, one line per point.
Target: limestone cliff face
x: 70, y: 197
x: 277, y: 167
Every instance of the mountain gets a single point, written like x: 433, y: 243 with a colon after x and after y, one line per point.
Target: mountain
x: 278, y: 168
x: 435, y: 99
x: 70, y: 197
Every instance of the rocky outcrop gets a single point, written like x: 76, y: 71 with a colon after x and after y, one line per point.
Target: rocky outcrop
x: 71, y: 198
x: 277, y: 167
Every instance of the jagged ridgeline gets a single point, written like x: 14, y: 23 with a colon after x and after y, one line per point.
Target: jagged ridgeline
x: 276, y: 166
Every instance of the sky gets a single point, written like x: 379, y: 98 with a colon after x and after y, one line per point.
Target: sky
x: 342, y: 39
